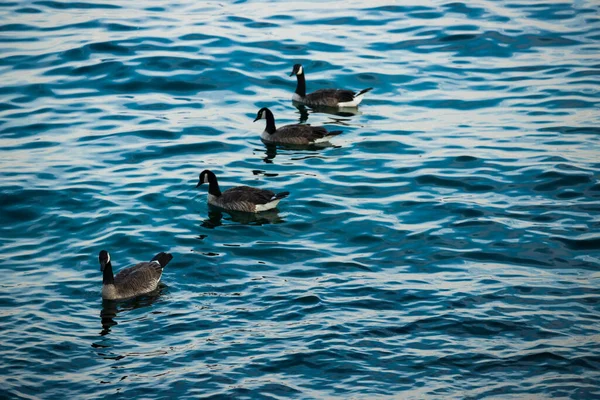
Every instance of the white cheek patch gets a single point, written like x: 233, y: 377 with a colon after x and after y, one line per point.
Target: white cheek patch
x: 299, y: 71
x: 263, y: 115
x: 205, y: 180
x: 107, y: 258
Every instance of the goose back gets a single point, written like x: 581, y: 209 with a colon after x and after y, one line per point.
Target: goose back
x: 246, y: 199
x: 329, y: 97
x: 139, y: 279
x: 133, y: 281
x: 296, y: 134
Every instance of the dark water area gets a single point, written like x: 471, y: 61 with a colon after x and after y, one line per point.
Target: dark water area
x: 446, y: 245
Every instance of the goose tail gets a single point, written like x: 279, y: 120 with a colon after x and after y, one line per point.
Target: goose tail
x: 281, y: 195
x: 163, y: 258
x: 334, y: 133
x: 363, y: 92
x: 356, y: 100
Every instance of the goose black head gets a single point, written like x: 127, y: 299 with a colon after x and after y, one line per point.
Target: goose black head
x: 297, y: 70
x: 104, y: 259
x: 206, y: 176
x: 262, y: 114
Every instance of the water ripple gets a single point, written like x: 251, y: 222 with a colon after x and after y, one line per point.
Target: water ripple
x: 444, y: 246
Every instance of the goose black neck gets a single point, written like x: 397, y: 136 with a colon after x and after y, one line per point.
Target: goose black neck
x: 107, y: 276
x: 301, y: 86
x: 270, y: 122
x: 213, y: 186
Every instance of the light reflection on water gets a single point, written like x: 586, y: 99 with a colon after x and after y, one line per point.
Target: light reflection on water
x: 443, y: 246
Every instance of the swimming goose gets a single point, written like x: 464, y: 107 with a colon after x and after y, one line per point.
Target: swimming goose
x: 301, y: 134
x: 132, y: 281
x: 324, y: 97
x: 240, y: 198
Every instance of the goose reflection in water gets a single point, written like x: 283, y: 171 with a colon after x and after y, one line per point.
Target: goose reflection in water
x: 294, y: 150
x: 111, y: 308
x: 216, y: 217
x: 340, y: 112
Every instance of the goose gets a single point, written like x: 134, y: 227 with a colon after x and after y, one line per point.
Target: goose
x: 338, y: 98
x: 131, y: 281
x: 299, y: 134
x: 240, y: 198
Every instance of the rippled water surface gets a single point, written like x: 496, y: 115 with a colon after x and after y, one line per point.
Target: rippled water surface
x: 446, y: 245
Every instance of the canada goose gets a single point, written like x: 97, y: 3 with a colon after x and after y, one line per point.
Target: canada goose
x: 132, y: 281
x: 324, y: 97
x: 240, y: 198
x: 301, y: 134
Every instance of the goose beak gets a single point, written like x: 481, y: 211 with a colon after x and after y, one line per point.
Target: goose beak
x: 102, y: 265
x: 199, y: 184
x: 256, y: 119
x: 292, y: 73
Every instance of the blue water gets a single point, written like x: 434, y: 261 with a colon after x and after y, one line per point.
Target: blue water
x: 446, y: 245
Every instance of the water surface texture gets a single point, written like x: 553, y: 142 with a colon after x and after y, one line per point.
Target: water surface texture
x: 446, y: 245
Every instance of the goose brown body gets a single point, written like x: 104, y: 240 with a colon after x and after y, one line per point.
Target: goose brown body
x: 132, y: 281
x: 240, y: 198
x: 297, y: 134
x: 334, y: 98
